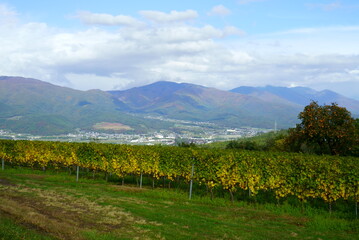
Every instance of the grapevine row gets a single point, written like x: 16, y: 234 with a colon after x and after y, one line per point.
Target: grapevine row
x: 305, y: 176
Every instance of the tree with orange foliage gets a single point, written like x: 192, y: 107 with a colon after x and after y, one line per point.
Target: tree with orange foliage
x: 327, y: 129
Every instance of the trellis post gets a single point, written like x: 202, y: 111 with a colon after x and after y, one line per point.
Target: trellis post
x: 191, y: 183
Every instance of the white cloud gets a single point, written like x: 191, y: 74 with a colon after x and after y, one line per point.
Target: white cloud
x: 93, y: 81
x: 6, y: 11
x: 173, y: 16
x: 107, y: 19
x: 230, y: 30
x: 112, y: 59
x: 353, y: 71
x: 8, y: 16
x: 219, y: 10
x: 185, y: 33
x: 127, y: 57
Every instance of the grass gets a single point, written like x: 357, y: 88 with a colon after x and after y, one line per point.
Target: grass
x: 260, y: 140
x: 10, y: 229
x: 50, y: 205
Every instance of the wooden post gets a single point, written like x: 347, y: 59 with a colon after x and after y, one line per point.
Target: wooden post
x: 231, y: 194
x: 77, y: 173
x: 356, y: 203
x: 191, y: 183
x: 141, y: 180
x: 2, y: 164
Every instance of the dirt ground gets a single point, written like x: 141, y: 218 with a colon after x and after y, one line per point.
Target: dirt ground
x: 63, y: 215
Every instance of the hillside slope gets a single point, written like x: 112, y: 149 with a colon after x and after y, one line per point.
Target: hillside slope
x: 36, y: 107
x: 300, y: 95
x: 33, y: 106
x: 198, y: 103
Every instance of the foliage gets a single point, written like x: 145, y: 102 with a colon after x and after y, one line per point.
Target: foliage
x: 246, y: 145
x: 51, y: 204
x: 185, y: 143
x: 355, y: 149
x: 327, y: 129
x: 328, y: 178
x: 272, y: 141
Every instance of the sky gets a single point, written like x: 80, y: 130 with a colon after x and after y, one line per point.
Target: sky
x: 118, y: 44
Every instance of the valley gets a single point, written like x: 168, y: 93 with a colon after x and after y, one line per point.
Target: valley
x: 186, y: 131
x: 34, y: 109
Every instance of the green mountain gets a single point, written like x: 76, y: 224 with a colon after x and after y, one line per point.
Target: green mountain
x: 300, y: 95
x: 36, y: 107
x: 197, y: 103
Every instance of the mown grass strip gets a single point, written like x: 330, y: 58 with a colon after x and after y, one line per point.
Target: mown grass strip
x: 12, y: 230
x: 100, y: 210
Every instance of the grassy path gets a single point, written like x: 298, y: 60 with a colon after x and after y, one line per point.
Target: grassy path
x: 37, y: 205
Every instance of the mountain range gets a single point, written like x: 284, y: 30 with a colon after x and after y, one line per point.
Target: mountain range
x: 37, y: 107
x: 300, y: 95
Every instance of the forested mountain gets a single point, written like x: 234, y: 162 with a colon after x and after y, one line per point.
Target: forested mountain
x: 33, y: 106
x: 37, y: 107
x: 299, y: 95
x: 198, y: 103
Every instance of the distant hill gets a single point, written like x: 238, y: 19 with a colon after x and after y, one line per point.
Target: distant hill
x: 198, y: 103
x: 300, y: 95
x: 36, y: 107
x: 33, y: 106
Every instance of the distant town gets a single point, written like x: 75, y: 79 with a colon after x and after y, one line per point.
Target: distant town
x: 186, y: 131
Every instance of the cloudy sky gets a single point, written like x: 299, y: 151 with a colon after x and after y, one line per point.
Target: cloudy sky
x: 114, y: 44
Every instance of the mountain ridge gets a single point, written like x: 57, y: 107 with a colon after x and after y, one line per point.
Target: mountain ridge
x: 37, y: 107
x: 203, y: 104
x: 44, y: 108
x: 303, y: 96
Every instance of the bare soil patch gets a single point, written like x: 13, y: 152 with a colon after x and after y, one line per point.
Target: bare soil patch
x: 61, y: 215
x: 111, y: 126
x: 6, y: 182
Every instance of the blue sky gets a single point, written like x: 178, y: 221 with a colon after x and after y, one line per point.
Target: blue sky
x: 224, y: 44
x: 255, y: 17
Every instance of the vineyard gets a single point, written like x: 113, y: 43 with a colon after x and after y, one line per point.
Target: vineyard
x: 305, y: 177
